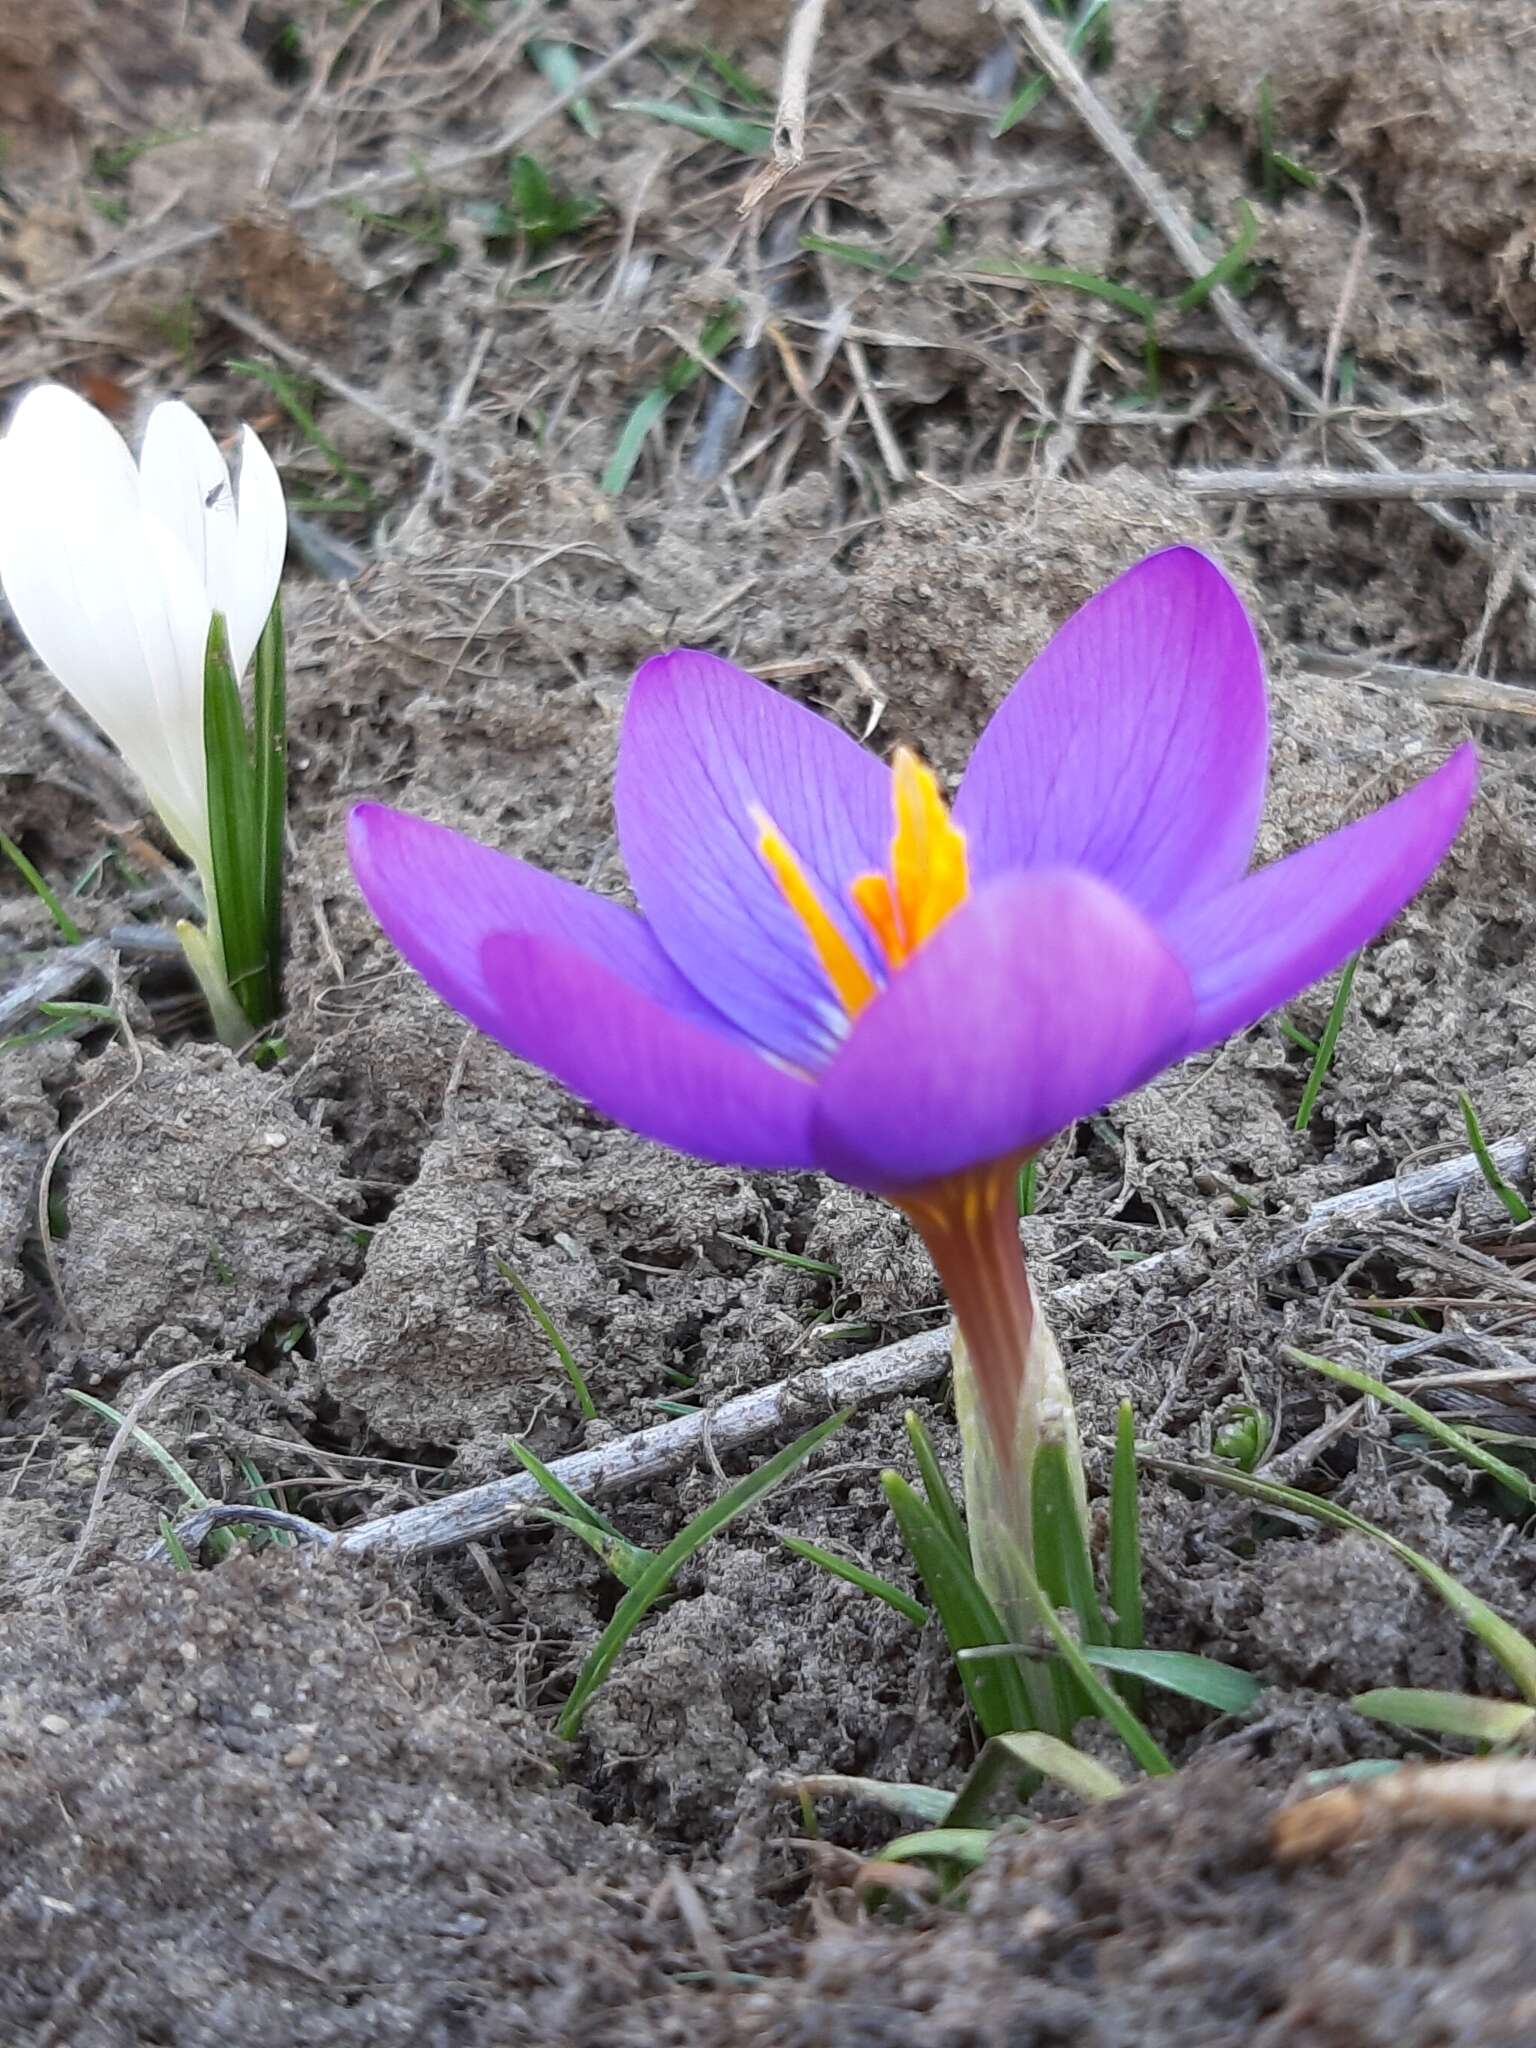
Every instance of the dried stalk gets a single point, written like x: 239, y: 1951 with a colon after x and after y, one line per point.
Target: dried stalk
x: 903, y: 1368
x: 1482, y: 694
x: 1348, y: 486
x: 794, y: 86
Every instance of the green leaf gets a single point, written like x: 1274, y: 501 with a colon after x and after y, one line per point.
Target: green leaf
x: 1063, y: 1566
x: 1226, y: 267
x: 1448, y: 1713
x: 563, y: 1497
x: 860, y: 1576
x: 1036, y: 87
x: 1436, y: 1426
x: 1007, y: 268
x: 537, y: 211
x: 546, y: 1323
x: 1502, y: 1640
x: 682, y: 372
x: 629, y: 1562
x: 747, y: 138
x: 239, y: 882
x: 1029, y: 1174
x: 940, y: 1497
x: 1213, y: 1684
x: 966, y: 1846
x: 912, y: 1802
x: 862, y: 258
x: 68, y: 929
x: 1514, y: 1202
x: 995, y: 1687
x: 269, y: 729
x: 1125, y: 1544
x: 561, y: 69
x: 222, y: 1542
x: 1006, y: 1756
x: 1325, y: 1046
x: 640, y: 1598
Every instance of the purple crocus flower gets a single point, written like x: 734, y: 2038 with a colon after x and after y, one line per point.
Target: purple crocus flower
x: 830, y: 970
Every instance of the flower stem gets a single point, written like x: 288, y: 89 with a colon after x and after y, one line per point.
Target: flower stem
x: 206, y: 960
x: 1011, y: 1393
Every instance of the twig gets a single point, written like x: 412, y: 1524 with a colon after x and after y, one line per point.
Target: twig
x: 1430, y: 685
x: 371, y: 182
x: 794, y: 84
x: 59, y: 975
x: 1072, y: 83
x: 900, y: 1368
x: 1345, y: 486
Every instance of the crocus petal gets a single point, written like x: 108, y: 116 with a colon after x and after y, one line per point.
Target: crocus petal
x: 1266, y: 939
x: 185, y: 485
x: 261, y: 541
x: 577, y: 985
x: 702, y: 744
x: 1134, y: 746
x: 55, y: 437
x: 1045, y: 996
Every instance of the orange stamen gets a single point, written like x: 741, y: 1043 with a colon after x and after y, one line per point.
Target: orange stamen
x: 852, y: 983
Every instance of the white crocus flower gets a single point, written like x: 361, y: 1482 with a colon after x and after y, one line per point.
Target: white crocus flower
x: 113, y: 573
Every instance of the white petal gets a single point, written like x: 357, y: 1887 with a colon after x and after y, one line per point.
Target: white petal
x: 55, y: 436
x: 184, y: 482
x: 263, y: 540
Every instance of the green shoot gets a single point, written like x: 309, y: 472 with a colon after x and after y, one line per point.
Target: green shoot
x: 965, y: 1846
x: 355, y: 493
x: 781, y: 1258
x: 1006, y: 1757
x: 860, y: 1576
x: 537, y: 211
x: 1434, y: 1425
x: 681, y: 372
x: 941, y: 1498
x: 1428, y: 1712
x: 1243, y: 1437
x: 1063, y: 1566
x: 1126, y: 1630
x: 862, y: 258
x: 1273, y: 163
x: 222, y: 1542
x: 1297, y: 1038
x: 713, y: 123
x: 1514, y: 1202
x: 264, y: 1497
x: 1203, y: 1679
x: 733, y: 78
x: 175, y: 1549
x: 68, y: 929
x: 1092, y: 23
x: 64, y: 1018
x: 561, y: 69
x: 1029, y: 1174
x: 568, y: 1502
x: 1226, y: 267
x: 912, y: 1802
x: 642, y: 1596
x: 1326, y: 1045
x: 558, y: 1345
x: 1123, y: 296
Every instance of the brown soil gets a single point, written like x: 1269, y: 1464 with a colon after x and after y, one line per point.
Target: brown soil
x: 287, y: 1801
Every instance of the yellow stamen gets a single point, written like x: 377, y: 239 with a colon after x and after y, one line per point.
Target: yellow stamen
x: 929, y: 872
x: 851, y: 980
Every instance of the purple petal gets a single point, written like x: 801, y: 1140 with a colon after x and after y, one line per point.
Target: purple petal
x: 576, y: 985
x: 703, y: 742
x: 1134, y: 746
x: 1045, y: 996
x: 1266, y: 939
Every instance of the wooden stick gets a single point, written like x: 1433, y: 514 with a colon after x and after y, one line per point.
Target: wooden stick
x: 1430, y: 685
x: 1349, y: 486
x: 903, y: 1368
x: 794, y: 86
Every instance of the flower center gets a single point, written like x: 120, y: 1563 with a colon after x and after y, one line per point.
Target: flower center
x: 902, y: 909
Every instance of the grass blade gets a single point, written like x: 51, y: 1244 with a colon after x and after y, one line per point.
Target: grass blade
x: 940, y: 1496
x: 862, y: 258
x: 561, y: 1349
x: 747, y: 138
x: 1325, y: 1046
x: 1226, y: 266
x: 629, y: 1562
x: 912, y: 1802
x: 965, y: 1846
x: 34, y: 881
x: 1029, y: 1174
x: 1124, y: 296
x: 1503, y: 1641
x: 239, y: 867
x: 221, y: 1542
x: 570, y: 1503
x: 1514, y: 1202
x: 640, y: 1598
x: 1063, y: 1566
x: 1006, y: 1757
x: 1035, y: 88
x: 269, y: 728
x: 1214, y: 1684
x: 1126, y: 1630
x: 859, y: 1575
x: 679, y: 375
x: 1434, y: 1425
x: 994, y: 1686
x: 1448, y: 1713
x: 561, y: 69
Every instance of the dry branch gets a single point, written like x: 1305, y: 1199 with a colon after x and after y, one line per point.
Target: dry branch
x: 1348, y: 486
x: 789, y: 124
x: 903, y: 1368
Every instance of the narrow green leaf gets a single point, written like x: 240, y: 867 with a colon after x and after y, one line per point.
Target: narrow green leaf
x: 862, y: 258
x: 1434, y: 1425
x: 1214, y: 1684
x: 547, y: 1324
x: 175, y: 1549
x: 640, y: 1598
x: 1227, y: 266
x: 1448, y: 1713
x: 860, y: 1576
x: 940, y: 1497
x: 69, y: 930
x: 733, y: 77
x: 1502, y: 1640
x: 562, y: 1495
x: 1006, y: 268
x: 222, y: 1542
x: 966, y: 1846
x: 994, y: 1688
x: 239, y: 879
x: 1035, y: 87
x: 781, y: 1258
x: 1325, y: 1046
x: 285, y: 389
x: 649, y: 409
x: 912, y: 1802
x: 1514, y: 1202
x: 1005, y: 1757
x: 1029, y: 1174
x: 629, y: 1562
x: 1063, y: 1567
x: 561, y: 69
x: 269, y: 731
x: 1126, y: 1632
x: 747, y: 138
